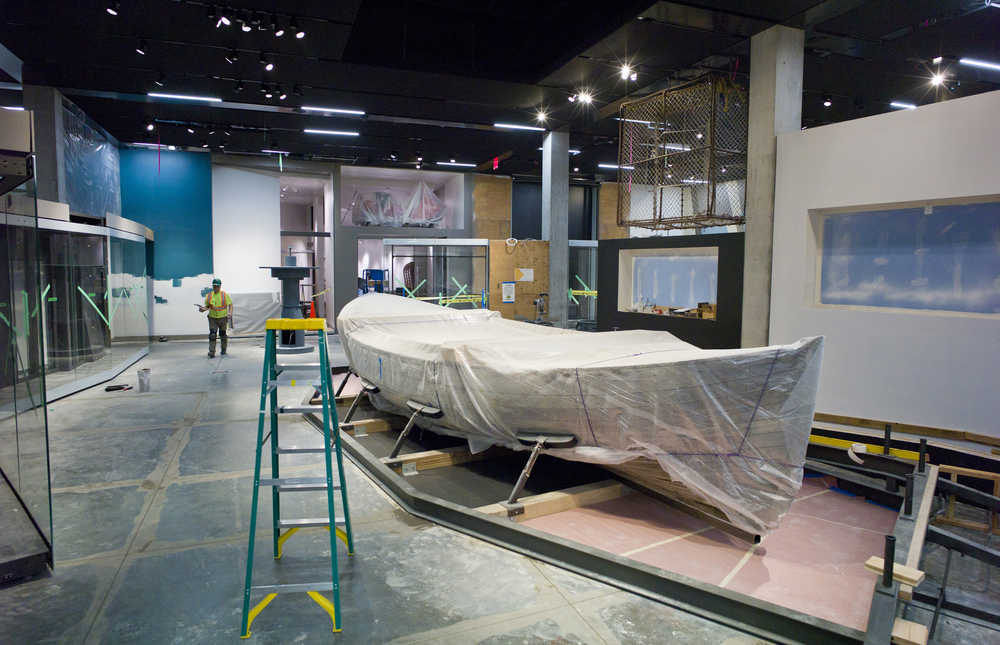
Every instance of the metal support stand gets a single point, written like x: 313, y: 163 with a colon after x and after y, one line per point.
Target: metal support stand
x: 419, y: 409
x: 889, y: 560
x: 340, y: 388
x: 537, y: 442
x: 367, y: 389
x: 941, y: 594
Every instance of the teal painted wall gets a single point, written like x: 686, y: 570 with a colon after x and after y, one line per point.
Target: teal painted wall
x: 171, y: 193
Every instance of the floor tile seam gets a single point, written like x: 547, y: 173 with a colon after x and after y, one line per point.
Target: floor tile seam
x: 98, y: 486
x: 844, y: 524
x: 74, y: 434
x: 234, y: 474
x: 112, y: 556
x: 134, y: 534
x: 653, y: 545
x: 455, y: 630
x: 739, y: 566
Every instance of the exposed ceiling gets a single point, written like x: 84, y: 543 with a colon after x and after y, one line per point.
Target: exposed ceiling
x: 434, y: 76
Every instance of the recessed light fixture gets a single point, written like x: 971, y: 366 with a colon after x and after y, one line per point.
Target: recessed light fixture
x: 204, y: 144
x: 572, y: 98
x: 625, y: 72
x: 333, y: 110
x: 190, y: 130
x: 141, y: 48
x: 281, y: 94
x: 113, y: 8
x: 150, y: 127
x: 171, y: 147
x: 223, y: 21
x: 456, y: 163
x: 184, y: 97
x: 937, y: 60
x: 900, y: 105
x: 336, y: 133
x: 633, y: 77
x: 517, y: 126
x: 576, y: 170
x: 937, y: 79
x: 827, y: 101
x: 586, y: 98
x: 979, y: 63
x: 699, y: 135
x: 268, y: 93
x: 540, y: 116
x: 418, y: 166
x: 615, y: 166
x: 293, y: 27
x: 452, y: 160
x: 419, y: 158
x: 268, y: 65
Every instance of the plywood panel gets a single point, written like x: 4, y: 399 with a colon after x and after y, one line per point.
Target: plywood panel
x: 504, y: 261
x: 607, y: 213
x: 491, y: 199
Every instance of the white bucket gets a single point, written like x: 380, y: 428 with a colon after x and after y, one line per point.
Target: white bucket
x: 143, y: 379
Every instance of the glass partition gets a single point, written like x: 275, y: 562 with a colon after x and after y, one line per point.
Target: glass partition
x: 583, y: 282
x: 452, y: 273
x: 23, y: 429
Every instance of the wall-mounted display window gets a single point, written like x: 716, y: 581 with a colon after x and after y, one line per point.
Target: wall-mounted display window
x: 448, y: 272
x: 394, y: 198
x: 943, y: 257
x: 680, y: 281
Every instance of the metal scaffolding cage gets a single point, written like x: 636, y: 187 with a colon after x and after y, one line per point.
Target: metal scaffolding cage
x: 682, y: 156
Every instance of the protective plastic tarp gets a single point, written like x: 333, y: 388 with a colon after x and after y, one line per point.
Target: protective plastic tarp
x: 731, y: 426
x: 424, y: 206
x: 251, y: 311
x: 92, y: 166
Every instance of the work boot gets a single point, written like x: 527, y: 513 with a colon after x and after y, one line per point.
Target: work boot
x: 223, y: 352
x: 211, y: 354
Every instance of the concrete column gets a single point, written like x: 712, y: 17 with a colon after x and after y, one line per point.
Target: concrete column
x: 776, y: 59
x: 50, y: 170
x: 555, y: 220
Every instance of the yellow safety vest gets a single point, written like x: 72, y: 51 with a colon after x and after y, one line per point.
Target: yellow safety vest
x: 218, y: 304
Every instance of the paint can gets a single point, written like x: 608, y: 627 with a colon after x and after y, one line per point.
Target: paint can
x: 143, y: 379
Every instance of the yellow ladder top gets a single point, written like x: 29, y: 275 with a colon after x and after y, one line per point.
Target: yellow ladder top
x: 309, y: 324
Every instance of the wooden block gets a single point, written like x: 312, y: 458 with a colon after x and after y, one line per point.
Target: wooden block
x: 900, y: 572
x: 920, y: 528
x: 607, y: 213
x: 907, y: 632
x: 562, y: 500
x: 908, y: 428
x: 377, y: 424
x: 970, y: 472
x: 429, y: 459
x: 965, y: 524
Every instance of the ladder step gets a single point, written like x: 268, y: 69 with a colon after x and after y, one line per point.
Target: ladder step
x: 298, y: 484
x: 288, y: 367
x: 302, y: 586
x: 294, y: 450
x: 300, y: 409
x: 309, y: 521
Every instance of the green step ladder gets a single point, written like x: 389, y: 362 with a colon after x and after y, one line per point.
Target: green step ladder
x: 283, y: 529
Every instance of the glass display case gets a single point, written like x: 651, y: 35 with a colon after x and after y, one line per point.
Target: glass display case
x: 680, y: 281
x: 449, y: 272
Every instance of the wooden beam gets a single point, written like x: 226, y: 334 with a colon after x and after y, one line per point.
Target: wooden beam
x: 428, y: 459
x: 920, y: 528
x: 900, y: 572
x: 907, y: 632
x: 927, y: 431
x: 562, y: 500
x: 377, y: 424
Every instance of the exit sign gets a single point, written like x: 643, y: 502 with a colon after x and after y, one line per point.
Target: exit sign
x: 496, y: 162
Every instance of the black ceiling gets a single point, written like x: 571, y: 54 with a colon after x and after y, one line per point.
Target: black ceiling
x: 433, y: 76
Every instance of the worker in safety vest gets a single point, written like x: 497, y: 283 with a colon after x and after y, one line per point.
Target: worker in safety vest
x: 219, y: 306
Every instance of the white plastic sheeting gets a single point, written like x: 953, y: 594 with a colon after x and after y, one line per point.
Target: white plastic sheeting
x: 730, y: 425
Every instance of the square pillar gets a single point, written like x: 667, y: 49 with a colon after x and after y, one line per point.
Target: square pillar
x: 555, y: 221
x: 776, y: 61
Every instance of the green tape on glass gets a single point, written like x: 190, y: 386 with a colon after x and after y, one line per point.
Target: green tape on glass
x: 96, y: 308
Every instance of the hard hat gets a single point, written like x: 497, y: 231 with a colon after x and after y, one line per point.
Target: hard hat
x: 216, y: 282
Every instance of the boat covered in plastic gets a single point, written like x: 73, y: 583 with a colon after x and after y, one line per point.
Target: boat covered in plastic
x: 724, y: 430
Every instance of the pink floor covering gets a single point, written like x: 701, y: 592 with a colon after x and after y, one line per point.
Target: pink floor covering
x: 813, y: 562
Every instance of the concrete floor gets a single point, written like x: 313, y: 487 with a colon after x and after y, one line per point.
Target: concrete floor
x: 151, y: 497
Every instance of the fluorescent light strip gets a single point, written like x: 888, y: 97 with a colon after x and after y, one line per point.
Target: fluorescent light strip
x: 634, y: 121
x: 694, y: 181
x: 152, y: 145
x: 615, y: 166
x: 900, y: 105
x: 453, y: 163
x: 13, y: 107
x: 333, y: 110
x: 572, y: 151
x: 185, y: 97
x: 980, y: 63
x: 278, y: 152
x: 515, y: 126
x: 336, y: 133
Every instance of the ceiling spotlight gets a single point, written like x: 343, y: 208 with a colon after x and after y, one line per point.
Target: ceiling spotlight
x: 141, y: 48
x: 937, y: 60
x: 239, y: 86
x: 634, y: 76
x: 113, y: 8
x: 190, y: 130
x: 281, y: 94
x: 171, y: 147
x: 451, y: 159
x: 233, y: 57
x: 625, y: 71
x: 150, y: 127
x: 576, y: 170
x: 268, y: 65
x: 586, y: 98
x: 161, y: 80
x: 222, y: 21
x: 245, y: 22
x: 937, y: 79
x: 225, y: 132
x: 392, y: 155
x: 540, y: 116
x: 419, y: 158
x: 572, y: 98
x: 827, y: 101
x: 418, y: 166
x: 204, y: 144
x: 293, y: 27
x: 268, y: 94
x: 699, y: 135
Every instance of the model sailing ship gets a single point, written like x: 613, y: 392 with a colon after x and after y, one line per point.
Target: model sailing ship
x: 725, y: 431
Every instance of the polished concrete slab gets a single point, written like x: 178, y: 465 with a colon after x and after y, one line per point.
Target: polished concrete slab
x: 151, y: 514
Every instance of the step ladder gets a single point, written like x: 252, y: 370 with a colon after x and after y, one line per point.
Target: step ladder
x: 282, y: 529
